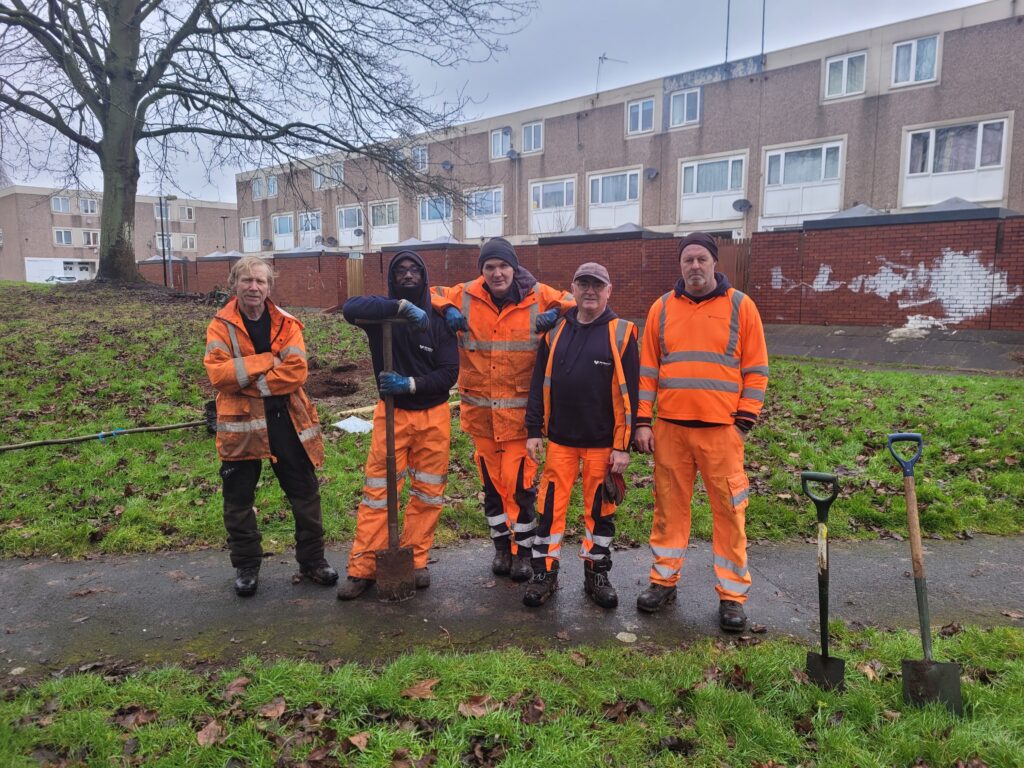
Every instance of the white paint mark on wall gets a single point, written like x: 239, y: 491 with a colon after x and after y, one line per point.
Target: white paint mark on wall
x: 822, y: 283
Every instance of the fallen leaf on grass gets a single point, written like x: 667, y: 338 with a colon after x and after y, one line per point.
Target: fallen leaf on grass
x: 953, y: 628
x: 533, y: 711
x: 870, y: 669
x: 579, y: 659
x: 799, y: 676
x: 758, y: 629
x: 836, y: 717
x: 356, y: 741
x: 482, y: 754
x: 974, y: 762
x: 739, y: 681
x: 133, y: 716
x: 478, y: 706
x: 210, y: 734
x: 803, y: 726
x: 400, y: 759
x: 890, y: 715
x: 563, y: 636
x: 621, y: 711
x: 685, y: 747
x: 235, y: 688
x: 1014, y: 615
x: 422, y: 689
x: 273, y: 709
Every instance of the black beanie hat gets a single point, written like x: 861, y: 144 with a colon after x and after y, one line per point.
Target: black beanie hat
x: 498, y: 248
x: 700, y: 238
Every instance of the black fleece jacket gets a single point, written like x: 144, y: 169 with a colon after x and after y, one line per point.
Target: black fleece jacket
x: 430, y: 356
x: 582, y: 412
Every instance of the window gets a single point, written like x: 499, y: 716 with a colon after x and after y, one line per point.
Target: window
x: 685, y: 107
x: 484, y: 202
x: 186, y: 213
x: 250, y: 235
x: 640, y: 116
x: 163, y: 243
x: 271, y: 186
x: 60, y: 205
x: 913, y: 61
x: 420, y: 158
x: 309, y: 227
x: 435, y: 209
x: 283, y: 227
x: 350, y: 218
x: 957, y: 148
x: 713, y: 176
x: 533, y: 137
x: 844, y: 75
x: 501, y: 143
x: 188, y: 242
x: 803, y: 166
x: 256, y: 185
x: 161, y: 210
x: 90, y: 238
x: 62, y: 236
x: 87, y: 206
x: 615, y: 188
x: 553, y: 194
x: 384, y: 214
x: 325, y: 176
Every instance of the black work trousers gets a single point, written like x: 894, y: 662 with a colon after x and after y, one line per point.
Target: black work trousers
x: 297, y: 477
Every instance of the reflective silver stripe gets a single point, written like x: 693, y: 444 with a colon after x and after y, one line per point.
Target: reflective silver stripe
x: 701, y: 357
x: 620, y: 333
x: 525, y: 546
x: 502, y: 346
x: 716, y: 385
x: 525, y: 527
x: 427, y: 477
x: 734, y: 323
x: 292, y: 351
x: 646, y: 371
x: 740, y: 497
x: 664, y: 571
x: 233, y: 335
x: 629, y: 420
x: 623, y: 389
x: 667, y: 551
x: 547, y: 381
x: 496, y: 520
x: 753, y: 394
x: 308, y: 434
x: 242, y: 426
x: 437, y: 501
x: 554, y: 554
x: 217, y: 345
x: 593, y: 555
x: 734, y: 586
x: 724, y: 562
x: 375, y: 482
x: 499, y: 534
x: 647, y: 395
x: 240, y: 373
x: 601, y: 541
x: 507, y: 402
x: 262, y: 387
x: 554, y: 538
x: 534, y: 310
x: 763, y: 369
x: 375, y: 503
x: 661, y: 324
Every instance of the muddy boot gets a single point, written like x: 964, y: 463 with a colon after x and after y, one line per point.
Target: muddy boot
x: 655, y: 597
x: 246, y: 581
x: 319, y: 572
x: 596, y: 584
x: 542, y: 586
x: 502, y: 563
x: 422, y: 577
x: 353, y: 587
x: 731, y: 617
x: 522, y: 569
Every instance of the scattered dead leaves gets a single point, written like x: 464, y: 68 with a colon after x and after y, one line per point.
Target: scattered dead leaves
x: 133, y: 716
x: 424, y: 689
x: 273, y: 709
x: 211, y: 734
x: 479, y: 706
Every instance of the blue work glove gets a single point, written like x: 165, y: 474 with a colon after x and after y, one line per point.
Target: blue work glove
x: 456, y: 320
x: 413, y: 314
x: 545, y: 321
x: 392, y: 383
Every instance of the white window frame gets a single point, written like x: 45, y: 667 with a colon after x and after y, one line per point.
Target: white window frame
x: 377, y: 231
x: 164, y: 243
x: 600, y: 177
x: 328, y: 175
x: 271, y: 186
x: 497, y: 195
x: 713, y: 205
x: 930, y: 159
x: 259, y: 243
x: 533, y: 130
x: 290, y: 234
x: 781, y: 154
x: 439, y: 204
x: 306, y: 230
x: 389, y: 205
x: 639, y: 105
x: 60, y: 204
x: 186, y: 213
x: 162, y: 210
x: 845, y: 60
x: 538, y: 209
x: 88, y: 206
x: 256, y: 188
x: 913, y: 61
x: 485, y: 224
x: 91, y: 238
x: 340, y: 213
x: 62, y: 237
x: 733, y: 160
x: 420, y: 158
x: 537, y: 200
x: 188, y: 242
x: 504, y: 143
x: 684, y: 95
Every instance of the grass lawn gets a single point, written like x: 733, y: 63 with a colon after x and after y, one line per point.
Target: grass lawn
x: 82, y: 360
x: 709, y: 704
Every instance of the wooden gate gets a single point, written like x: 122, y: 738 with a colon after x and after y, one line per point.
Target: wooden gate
x: 734, y: 261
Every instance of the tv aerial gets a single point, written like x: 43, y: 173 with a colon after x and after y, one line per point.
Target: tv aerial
x: 600, y: 62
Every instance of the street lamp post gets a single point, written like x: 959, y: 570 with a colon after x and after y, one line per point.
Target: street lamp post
x: 224, y: 226
x: 164, y: 200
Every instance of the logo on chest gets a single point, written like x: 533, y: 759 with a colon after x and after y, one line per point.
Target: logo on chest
x: 426, y: 348
x: 602, y: 362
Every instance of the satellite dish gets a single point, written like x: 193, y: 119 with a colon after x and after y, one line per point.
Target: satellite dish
x: 332, y: 241
x: 318, y: 240
x: 512, y: 154
x: 742, y: 205
x: 358, y: 232
x: 651, y: 173
x: 447, y: 165
x: 267, y: 242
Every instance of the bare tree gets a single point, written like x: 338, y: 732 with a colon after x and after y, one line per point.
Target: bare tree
x: 242, y: 82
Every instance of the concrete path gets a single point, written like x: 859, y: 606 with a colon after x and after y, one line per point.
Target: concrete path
x: 180, y: 607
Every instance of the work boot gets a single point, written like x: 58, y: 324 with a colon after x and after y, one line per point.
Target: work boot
x: 655, y: 597
x: 597, y: 586
x: 731, y: 617
x: 246, y: 581
x: 502, y: 563
x: 522, y: 568
x: 542, y: 586
x: 352, y: 587
x: 319, y: 572
x: 422, y: 576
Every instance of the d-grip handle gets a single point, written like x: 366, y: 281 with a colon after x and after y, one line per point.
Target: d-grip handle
x: 822, y: 503
x: 906, y: 437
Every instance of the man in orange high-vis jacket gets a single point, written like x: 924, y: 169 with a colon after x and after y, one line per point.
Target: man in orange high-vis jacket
x: 256, y: 360
x: 583, y: 397
x: 704, y: 369
x: 500, y: 317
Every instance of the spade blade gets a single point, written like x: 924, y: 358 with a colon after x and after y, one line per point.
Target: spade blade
x: 396, y: 577
x: 827, y: 671
x: 928, y: 681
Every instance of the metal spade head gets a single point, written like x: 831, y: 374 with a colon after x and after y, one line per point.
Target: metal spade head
x: 827, y: 671
x: 928, y: 681
x: 396, y: 577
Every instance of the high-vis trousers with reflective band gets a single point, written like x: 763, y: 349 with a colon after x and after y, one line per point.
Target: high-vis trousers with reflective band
x: 561, y: 467
x: 717, y: 453
x: 422, y: 440
x: 510, y: 496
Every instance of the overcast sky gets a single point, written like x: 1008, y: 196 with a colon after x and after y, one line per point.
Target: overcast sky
x: 556, y: 56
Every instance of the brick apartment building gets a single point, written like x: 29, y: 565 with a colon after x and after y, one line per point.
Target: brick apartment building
x: 47, y: 232
x: 896, y: 118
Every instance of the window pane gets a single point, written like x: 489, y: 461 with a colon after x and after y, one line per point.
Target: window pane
x: 713, y: 177
x: 835, y: 78
x: 497, y: 203
x: 553, y: 195
x: 272, y: 186
x: 773, y: 169
x: 250, y: 228
x: 919, y: 152
x: 955, y: 148
x: 634, y: 186
x: 257, y: 188
x: 282, y: 225
x: 692, y: 106
x: 924, y: 65
x: 634, y: 118
x: 677, y: 106
x: 832, y: 163
x: 595, y: 190
x: 802, y: 166
x: 855, y: 73
x: 902, y: 71
x: 536, y: 196
x: 991, y: 144
x: 688, y: 180
x: 736, y: 177
x: 648, y: 115
x: 613, y: 188
x: 570, y: 190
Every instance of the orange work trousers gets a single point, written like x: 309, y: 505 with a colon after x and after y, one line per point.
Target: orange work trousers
x: 561, y: 467
x: 508, y: 476
x: 422, y: 441
x: 717, y: 453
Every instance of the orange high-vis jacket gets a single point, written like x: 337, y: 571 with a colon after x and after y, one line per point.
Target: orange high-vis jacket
x: 243, y: 378
x: 497, y: 354
x: 703, y: 361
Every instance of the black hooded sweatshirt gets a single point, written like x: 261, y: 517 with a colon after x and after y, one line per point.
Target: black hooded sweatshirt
x: 430, y: 356
x: 582, y: 412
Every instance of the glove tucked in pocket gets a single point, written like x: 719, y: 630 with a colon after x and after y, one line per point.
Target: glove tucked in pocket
x: 613, y: 489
